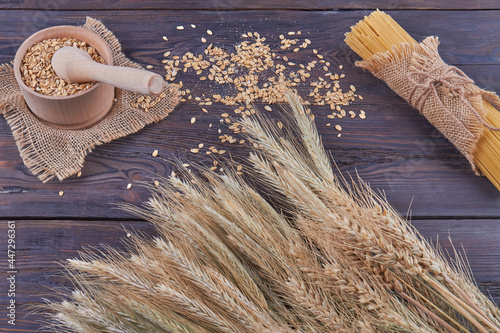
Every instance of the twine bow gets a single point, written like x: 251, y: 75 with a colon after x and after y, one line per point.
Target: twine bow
x: 451, y: 80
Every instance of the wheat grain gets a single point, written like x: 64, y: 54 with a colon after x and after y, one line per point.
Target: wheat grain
x: 38, y: 74
x: 325, y: 257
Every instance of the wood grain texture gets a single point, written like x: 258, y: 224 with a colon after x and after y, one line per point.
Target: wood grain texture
x: 54, y: 5
x: 44, y: 244
x: 41, y: 248
x: 395, y: 149
x: 473, y: 39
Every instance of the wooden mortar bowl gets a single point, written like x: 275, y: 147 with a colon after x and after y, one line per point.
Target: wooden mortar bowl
x: 77, y: 111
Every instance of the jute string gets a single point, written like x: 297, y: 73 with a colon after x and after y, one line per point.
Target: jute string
x: 444, y: 94
x: 51, y: 153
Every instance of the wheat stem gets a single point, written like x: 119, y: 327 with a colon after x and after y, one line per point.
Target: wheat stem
x: 428, y: 312
x: 469, y: 301
x: 457, y: 304
x: 431, y: 304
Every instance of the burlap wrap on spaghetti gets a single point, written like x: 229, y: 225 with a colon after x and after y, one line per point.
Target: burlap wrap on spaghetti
x: 49, y: 152
x: 442, y: 93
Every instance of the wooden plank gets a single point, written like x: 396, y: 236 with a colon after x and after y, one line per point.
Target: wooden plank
x: 54, y: 5
x: 394, y: 149
x: 43, y: 245
x: 477, y: 239
x: 470, y: 40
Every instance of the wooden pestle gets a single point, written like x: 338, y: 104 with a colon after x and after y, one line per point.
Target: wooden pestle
x: 75, y: 65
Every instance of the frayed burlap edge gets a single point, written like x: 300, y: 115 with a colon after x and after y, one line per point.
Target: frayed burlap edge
x: 459, y: 114
x: 57, y: 153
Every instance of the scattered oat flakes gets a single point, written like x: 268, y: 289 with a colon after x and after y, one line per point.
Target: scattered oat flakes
x: 61, y: 193
x: 193, y: 26
x: 193, y: 119
x: 210, y: 32
x: 338, y: 127
x: 157, y: 183
x: 245, y: 69
x: 180, y: 27
x: 129, y: 186
x: 79, y: 174
x: 195, y: 150
x: 155, y: 153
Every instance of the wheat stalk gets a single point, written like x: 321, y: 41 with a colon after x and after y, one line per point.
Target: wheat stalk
x: 382, y: 233
x: 227, y: 260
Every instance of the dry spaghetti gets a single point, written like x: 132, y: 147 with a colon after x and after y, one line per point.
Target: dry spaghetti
x: 449, y: 99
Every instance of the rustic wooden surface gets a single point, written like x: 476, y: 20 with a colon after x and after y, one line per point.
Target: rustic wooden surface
x: 394, y: 149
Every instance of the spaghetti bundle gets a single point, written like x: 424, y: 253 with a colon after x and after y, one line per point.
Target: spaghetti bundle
x: 464, y: 113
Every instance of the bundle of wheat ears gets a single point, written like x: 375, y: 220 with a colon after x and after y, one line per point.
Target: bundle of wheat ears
x: 324, y: 256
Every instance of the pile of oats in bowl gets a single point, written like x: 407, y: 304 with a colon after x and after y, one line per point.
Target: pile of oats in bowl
x: 38, y: 74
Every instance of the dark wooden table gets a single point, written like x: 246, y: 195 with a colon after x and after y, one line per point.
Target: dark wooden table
x: 394, y: 149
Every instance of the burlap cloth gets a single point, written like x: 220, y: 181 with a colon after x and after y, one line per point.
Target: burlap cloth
x: 442, y: 93
x: 49, y: 152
